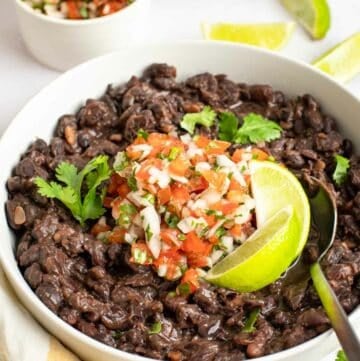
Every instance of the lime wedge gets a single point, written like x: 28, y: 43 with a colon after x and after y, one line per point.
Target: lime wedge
x: 342, y: 61
x: 283, y: 220
x: 313, y: 15
x: 275, y: 187
x: 271, y: 36
x: 260, y: 260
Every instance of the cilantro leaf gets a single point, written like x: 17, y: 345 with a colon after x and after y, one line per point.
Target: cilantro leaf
x: 341, y: 356
x: 228, y: 125
x: 342, y: 166
x: 206, y: 118
x: 256, y: 129
x: 250, y: 322
x: 155, y: 328
x: 131, y: 181
x: 70, y: 193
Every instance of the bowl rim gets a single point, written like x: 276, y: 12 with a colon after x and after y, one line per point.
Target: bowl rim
x: 17, y: 280
x: 81, y: 22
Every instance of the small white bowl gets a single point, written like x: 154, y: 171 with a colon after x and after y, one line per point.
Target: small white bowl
x: 63, y: 43
x: 89, y: 80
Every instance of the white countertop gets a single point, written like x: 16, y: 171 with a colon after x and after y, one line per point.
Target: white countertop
x: 22, y: 77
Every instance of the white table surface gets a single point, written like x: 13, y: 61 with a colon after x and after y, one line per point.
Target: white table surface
x: 22, y: 77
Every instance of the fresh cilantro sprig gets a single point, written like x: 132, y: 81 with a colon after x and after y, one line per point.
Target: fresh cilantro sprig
x: 206, y: 118
x: 341, y: 356
x: 255, y: 128
x: 78, y: 191
x: 250, y: 322
x: 342, y: 166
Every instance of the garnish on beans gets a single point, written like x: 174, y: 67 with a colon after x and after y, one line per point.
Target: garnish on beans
x: 181, y: 203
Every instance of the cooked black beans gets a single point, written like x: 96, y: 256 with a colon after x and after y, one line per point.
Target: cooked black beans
x: 94, y: 287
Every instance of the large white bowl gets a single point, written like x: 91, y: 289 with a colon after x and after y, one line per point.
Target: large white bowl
x: 64, y: 95
x: 63, y: 43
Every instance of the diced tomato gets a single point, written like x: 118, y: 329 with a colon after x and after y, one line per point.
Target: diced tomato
x: 194, y: 244
x: 198, y: 184
x: 191, y: 277
x: 107, y: 202
x: 201, y: 141
x: 132, y: 153
x: 236, y: 230
x: 164, y: 195
x: 259, y: 154
x: 210, y: 219
x: 73, y: 10
x: 157, y: 139
x: 115, y: 207
x: 114, y: 183
x: 197, y: 260
x: 197, y: 158
x: 170, y: 236
x: 152, y: 188
x: 117, y: 235
x: 143, y: 173
x: 235, y: 196
x: 235, y: 186
x: 214, y: 239
x: 99, y: 228
x: 237, y: 155
x: 225, y: 207
x: 216, y: 179
x: 179, y: 193
x: 216, y: 147
x: 179, y: 167
x: 123, y: 190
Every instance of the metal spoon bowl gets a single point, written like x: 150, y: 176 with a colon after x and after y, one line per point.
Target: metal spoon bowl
x: 324, y: 220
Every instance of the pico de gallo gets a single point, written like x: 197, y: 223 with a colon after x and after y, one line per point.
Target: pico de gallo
x: 77, y: 9
x: 182, y: 203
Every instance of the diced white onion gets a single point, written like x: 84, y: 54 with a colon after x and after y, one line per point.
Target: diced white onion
x: 160, y: 177
x: 144, y: 148
x: 186, y: 138
x: 201, y: 166
x: 179, y: 179
x: 130, y: 238
x: 151, y: 222
x: 162, y: 270
x: 210, y: 196
x: 189, y: 224
x: 228, y: 243
x: 215, y: 227
x: 216, y: 255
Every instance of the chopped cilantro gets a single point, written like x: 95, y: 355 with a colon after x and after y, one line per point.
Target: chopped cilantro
x: 250, y: 322
x: 70, y: 193
x: 184, y: 289
x: 220, y: 232
x: 254, y: 129
x: 127, y: 211
x: 171, y: 220
x: 139, y: 256
x: 84, y: 12
x: 148, y: 233
x: 342, y: 166
x: 131, y: 181
x: 206, y: 118
x: 341, y: 356
x: 150, y: 198
x: 121, y: 161
x: 155, y: 328
x: 174, y: 152
x: 141, y: 133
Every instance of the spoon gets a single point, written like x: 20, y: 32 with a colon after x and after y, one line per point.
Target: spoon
x: 324, y: 221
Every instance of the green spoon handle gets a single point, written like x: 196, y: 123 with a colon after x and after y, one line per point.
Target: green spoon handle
x: 336, y: 314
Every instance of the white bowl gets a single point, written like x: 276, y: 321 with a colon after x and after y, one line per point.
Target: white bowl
x: 64, y: 95
x: 63, y: 43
